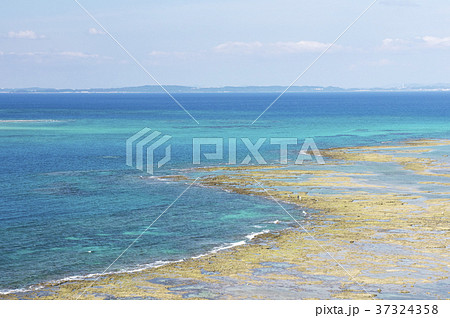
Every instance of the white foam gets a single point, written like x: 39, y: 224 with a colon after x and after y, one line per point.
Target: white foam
x: 227, y: 246
x: 153, y: 178
x: 220, y: 248
x: 84, y: 277
x: 253, y: 235
x: 140, y: 268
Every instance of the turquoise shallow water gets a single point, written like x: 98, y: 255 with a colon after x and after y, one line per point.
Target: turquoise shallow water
x: 69, y: 205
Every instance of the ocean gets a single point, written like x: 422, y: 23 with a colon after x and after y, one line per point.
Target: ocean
x: 69, y: 204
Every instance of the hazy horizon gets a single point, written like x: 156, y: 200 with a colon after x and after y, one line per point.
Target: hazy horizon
x: 214, y: 43
x: 411, y: 86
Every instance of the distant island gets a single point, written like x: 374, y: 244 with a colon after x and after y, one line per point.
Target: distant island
x: 155, y: 89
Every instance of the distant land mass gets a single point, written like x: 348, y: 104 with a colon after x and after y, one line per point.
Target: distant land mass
x: 155, y: 89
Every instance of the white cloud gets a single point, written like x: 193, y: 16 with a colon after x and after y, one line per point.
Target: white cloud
x: 425, y: 42
x: 248, y: 48
x: 272, y: 48
x: 78, y: 55
x: 395, y: 44
x: 52, y: 55
x: 432, y: 41
x: 27, y: 34
x: 238, y: 47
x: 299, y: 47
x: 95, y: 31
x: 23, y: 54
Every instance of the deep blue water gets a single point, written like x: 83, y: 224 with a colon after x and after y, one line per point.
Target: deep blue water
x: 69, y: 205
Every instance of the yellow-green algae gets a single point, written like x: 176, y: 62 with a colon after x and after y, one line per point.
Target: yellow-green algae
x: 382, y: 154
x: 385, y: 241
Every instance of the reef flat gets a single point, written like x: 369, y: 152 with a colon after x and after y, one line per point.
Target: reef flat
x: 372, y: 223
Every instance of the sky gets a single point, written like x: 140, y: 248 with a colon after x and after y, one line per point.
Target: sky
x: 212, y: 43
